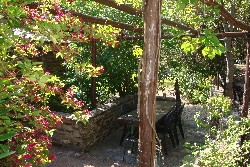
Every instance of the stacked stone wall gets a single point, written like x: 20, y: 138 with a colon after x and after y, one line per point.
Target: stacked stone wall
x: 83, y: 137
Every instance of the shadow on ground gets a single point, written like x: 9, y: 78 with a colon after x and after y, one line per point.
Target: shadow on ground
x: 110, y: 154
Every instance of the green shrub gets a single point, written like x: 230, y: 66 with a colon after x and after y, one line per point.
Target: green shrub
x: 222, y: 146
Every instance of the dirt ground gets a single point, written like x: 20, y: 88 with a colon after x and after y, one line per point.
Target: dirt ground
x: 110, y: 154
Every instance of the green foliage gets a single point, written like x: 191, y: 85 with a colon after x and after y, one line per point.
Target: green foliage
x: 81, y: 117
x: 134, y: 3
x: 225, y: 149
x: 119, y: 73
x: 222, y: 143
x: 4, y: 150
x: 212, y: 45
x: 217, y: 107
x: 194, y: 86
x: 77, y: 77
x: 194, y: 71
x: 121, y: 65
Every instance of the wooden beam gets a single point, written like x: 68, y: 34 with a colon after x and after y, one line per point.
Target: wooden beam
x: 219, y: 35
x: 97, y: 20
x: 92, y: 19
x: 121, y: 7
x: 179, y: 26
x: 130, y: 10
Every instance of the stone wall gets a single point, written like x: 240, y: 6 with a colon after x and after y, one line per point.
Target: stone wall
x: 84, y: 137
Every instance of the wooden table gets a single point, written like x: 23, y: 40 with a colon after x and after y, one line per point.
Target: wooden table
x: 162, y: 108
x: 131, y: 118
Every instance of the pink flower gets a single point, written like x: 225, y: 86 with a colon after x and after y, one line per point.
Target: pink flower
x: 116, y: 43
x: 86, y: 110
x: 52, y: 157
x: 71, y: 94
x: 27, y: 157
x: 28, y: 165
x: 101, y: 69
x: 21, y: 47
x: 26, y: 8
x: 39, y: 161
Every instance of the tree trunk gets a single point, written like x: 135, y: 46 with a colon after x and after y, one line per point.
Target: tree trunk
x: 148, y: 85
x: 228, y: 91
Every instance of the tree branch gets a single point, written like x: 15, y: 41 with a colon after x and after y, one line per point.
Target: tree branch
x: 226, y: 15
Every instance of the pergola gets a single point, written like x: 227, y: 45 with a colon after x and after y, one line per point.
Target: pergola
x: 151, y: 35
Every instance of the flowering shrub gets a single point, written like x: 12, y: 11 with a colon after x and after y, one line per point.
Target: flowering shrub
x: 26, y: 114
x: 29, y: 30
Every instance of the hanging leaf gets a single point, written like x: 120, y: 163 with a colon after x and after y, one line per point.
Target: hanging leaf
x: 192, y: 1
x: 5, y: 154
x: 4, y: 148
x: 53, y: 39
x: 4, y: 111
x: 7, y: 136
x: 4, y: 95
x: 181, y: 6
x: 36, y: 113
x: 32, y: 78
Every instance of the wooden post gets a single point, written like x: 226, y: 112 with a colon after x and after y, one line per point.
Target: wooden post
x: 246, y: 99
x: 149, y: 80
x: 246, y: 87
x: 93, y: 84
x: 218, y: 80
x: 177, y: 94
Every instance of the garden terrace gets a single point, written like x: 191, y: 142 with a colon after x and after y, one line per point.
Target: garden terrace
x: 74, y: 29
